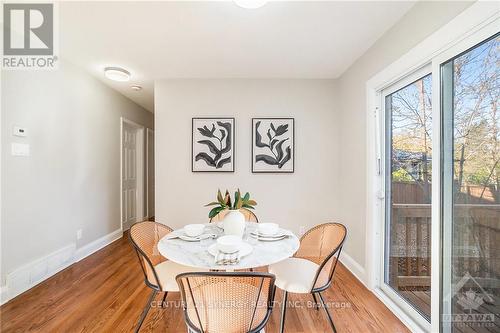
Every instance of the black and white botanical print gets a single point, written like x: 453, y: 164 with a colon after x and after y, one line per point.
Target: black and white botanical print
x: 213, y: 144
x: 273, y: 145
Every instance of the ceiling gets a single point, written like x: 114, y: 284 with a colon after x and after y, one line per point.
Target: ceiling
x: 218, y: 39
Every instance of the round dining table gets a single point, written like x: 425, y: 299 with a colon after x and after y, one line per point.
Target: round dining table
x: 196, y: 254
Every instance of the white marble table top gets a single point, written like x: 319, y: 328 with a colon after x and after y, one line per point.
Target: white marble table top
x: 195, y: 254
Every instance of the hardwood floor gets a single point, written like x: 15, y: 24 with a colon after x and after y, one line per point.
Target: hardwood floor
x: 105, y: 292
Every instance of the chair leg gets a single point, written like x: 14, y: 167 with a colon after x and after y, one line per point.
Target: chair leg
x: 283, y: 311
x: 163, y: 300
x: 316, y: 304
x: 145, y: 311
x: 327, y: 313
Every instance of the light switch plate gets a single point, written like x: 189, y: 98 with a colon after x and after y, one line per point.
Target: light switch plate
x: 20, y: 149
x: 20, y: 131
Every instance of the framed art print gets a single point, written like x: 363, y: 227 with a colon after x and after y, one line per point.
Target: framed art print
x: 273, y: 145
x: 213, y: 145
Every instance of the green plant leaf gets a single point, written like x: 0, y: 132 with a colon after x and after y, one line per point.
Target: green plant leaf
x: 248, y: 206
x: 246, y: 197
x: 215, y: 211
x: 219, y: 197
x: 252, y: 202
x: 236, y: 200
x: 239, y: 203
x: 212, y: 203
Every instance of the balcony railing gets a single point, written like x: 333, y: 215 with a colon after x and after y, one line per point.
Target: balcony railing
x: 475, y: 228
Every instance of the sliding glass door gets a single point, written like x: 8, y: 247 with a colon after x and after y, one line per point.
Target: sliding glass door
x: 408, y: 165
x: 470, y: 95
x: 455, y: 208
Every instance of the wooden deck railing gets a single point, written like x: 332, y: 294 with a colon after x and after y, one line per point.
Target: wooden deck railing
x: 476, y: 228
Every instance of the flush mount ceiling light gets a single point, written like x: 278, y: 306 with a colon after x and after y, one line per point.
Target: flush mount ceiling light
x: 136, y: 88
x: 250, y: 4
x: 117, y: 74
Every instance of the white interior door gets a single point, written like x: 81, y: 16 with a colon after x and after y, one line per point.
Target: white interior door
x: 129, y: 174
x: 151, y: 172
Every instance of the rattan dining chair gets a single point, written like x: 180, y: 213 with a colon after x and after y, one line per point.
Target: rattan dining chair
x: 228, y: 302
x: 249, y: 216
x: 159, y: 273
x: 312, y: 267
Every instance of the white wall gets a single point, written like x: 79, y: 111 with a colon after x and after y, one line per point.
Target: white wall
x: 421, y: 21
x: 72, y: 178
x: 307, y: 197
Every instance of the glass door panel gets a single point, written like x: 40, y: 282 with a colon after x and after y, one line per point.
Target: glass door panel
x: 470, y: 91
x: 408, y: 168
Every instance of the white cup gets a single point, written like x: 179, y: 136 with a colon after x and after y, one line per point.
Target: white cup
x: 194, y: 230
x: 267, y: 229
x: 228, y: 243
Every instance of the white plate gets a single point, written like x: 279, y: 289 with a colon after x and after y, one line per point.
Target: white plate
x: 269, y: 239
x: 245, y: 249
x: 187, y: 238
x: 279, y: 233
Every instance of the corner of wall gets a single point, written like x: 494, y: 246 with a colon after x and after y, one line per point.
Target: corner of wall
x: 354, y: 267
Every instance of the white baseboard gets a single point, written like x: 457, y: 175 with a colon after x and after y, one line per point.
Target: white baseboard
x: 4, y: 294
x: 31, y: 274
x: 98, y: 244
x: 354, y: 267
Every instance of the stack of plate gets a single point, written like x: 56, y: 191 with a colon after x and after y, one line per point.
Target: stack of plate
x: 269, y: 232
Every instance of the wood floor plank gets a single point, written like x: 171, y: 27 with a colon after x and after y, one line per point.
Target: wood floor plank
x: 105, y: 292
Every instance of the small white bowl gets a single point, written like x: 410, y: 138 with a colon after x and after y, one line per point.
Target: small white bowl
x: 267, y: 229
x: 229, y: 243
x: 194, y: 230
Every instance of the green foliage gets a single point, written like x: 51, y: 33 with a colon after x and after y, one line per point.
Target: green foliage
x: 225, y: 202
x: 401, y: 175
x: 480, y: 177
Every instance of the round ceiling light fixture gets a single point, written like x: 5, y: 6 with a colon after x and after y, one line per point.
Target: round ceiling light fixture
x: 136, y: 88
x: 117, y: 74
x: 250, y: 4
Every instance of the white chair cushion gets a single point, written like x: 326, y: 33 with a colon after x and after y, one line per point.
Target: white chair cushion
x: 295, y: 275
x: 168, y: 270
